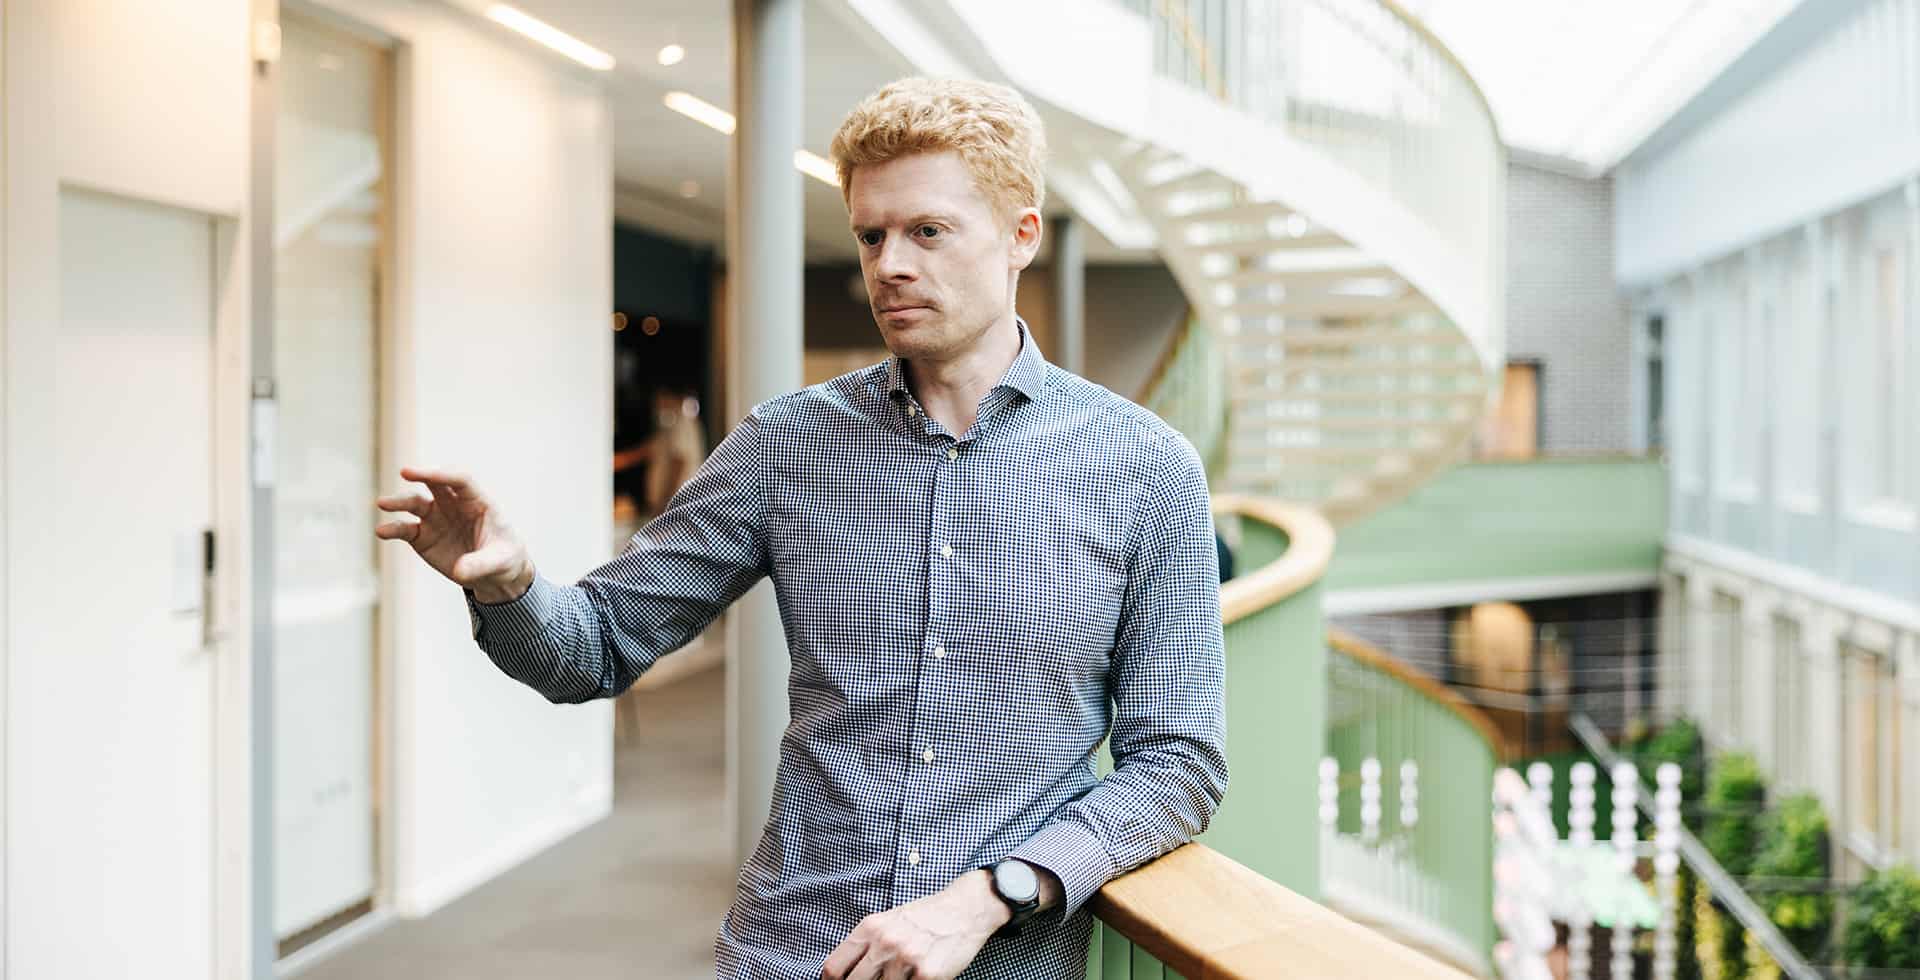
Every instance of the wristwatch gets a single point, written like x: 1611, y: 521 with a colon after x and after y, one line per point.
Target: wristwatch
x: 1017, y: 885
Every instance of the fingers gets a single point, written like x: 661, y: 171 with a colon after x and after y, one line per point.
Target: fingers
x: 397, y: 531
x: 843, y: 959
x: 431, y: 475
x: 410, y: 503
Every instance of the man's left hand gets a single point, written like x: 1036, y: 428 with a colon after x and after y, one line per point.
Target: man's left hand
x: 933, y: 938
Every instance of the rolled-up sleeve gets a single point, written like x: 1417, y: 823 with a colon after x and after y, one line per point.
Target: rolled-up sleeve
x: 594, y: 638
x: 1169, y: 730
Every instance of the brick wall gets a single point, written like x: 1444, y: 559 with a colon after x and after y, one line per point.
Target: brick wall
x: 1563, y: 308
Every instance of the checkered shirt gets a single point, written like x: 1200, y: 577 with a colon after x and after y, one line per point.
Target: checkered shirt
x: 967, y: 618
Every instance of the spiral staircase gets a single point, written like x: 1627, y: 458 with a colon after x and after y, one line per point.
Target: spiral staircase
x: 1348, y: 384
x: 1327, y: 184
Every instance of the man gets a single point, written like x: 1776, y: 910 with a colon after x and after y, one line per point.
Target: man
x: 981, y: 562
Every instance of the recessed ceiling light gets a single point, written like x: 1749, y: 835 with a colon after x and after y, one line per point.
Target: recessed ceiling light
x: 551, y: 36
x: 689, y: 188
x: 817, y: 167
x: 672, y: 55
x: 699, y: 110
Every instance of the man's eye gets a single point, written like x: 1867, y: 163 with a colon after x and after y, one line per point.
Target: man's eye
x: 870, y: 238
x: 927, y: 231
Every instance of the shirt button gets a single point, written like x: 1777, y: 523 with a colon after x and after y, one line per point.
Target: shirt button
x: 939, y: 652
x: 913, y: 856
x: 953, y: 453
x: 927, y: 757
x: 913, y: 410
x: 946, y: 551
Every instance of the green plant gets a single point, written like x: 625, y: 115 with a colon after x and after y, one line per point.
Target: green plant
x: 1883, y: 923
x: 1736, y: 793
x: 1710, y: 937
x: 1686, y: 959
x: 1794, y: 844
x: 1678, y: 743
x: 1760, y: 964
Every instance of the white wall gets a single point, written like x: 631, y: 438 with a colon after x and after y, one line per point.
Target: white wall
x: 99, y: 94
x: 501, y: 363
x: 504, y: 368
x: 1833, y: 126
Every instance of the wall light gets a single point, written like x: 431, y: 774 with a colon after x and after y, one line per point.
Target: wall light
x: 551, y: 36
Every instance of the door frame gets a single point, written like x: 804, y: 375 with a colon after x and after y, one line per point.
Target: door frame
x: 393, y: 436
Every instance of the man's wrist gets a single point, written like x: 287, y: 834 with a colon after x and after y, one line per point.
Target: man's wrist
x: 993, y: 910
x: 500, y: 593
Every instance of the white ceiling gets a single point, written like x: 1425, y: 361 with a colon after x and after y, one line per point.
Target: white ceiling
x: 1573, y: 81
x: 1586, y: 82
x: 658, y: 151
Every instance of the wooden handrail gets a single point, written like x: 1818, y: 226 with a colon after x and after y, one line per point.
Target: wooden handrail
x: 1309, y: 550
x: 1386, y: 663
x: 1208, y: 917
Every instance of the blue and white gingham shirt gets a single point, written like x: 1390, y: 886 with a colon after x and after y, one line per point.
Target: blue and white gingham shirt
x: 966, y: 616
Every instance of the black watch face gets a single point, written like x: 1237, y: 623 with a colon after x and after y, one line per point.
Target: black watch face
x: 1016, y: 881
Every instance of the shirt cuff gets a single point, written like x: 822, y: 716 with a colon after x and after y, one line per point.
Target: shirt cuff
x: 1075, y: 856
x: 523, y: 617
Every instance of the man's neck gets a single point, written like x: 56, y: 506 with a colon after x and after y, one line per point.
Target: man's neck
x: 951, y: 390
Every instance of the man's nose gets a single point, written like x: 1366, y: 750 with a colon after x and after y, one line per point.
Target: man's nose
x: 894, y: 263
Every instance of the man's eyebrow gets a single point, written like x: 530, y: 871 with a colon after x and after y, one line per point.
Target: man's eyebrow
x: 931, y: 217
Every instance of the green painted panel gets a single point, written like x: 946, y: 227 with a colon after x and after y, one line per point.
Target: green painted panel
x: 1374, y: 714
x: 1117, y: 955
x: 1146, y: 967
x: 1504, y: 520
x: 1276, y: 734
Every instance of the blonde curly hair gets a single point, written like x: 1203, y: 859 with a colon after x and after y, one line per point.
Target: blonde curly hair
x: 995, y: 131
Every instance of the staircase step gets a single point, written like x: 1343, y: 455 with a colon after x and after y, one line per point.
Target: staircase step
x: 1270, y: 246
x: 1252, y: 455
x: 1263, y: 396
x: 1202, y: 179
x: 1360, y: 267
x: 1254, y: 373
x: 1294, y: 338
x: 1250, y: 422
x: 1335, y: 306
x: 1239, y: 212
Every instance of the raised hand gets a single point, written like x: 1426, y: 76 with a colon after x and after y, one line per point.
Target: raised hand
x: 460, y: 534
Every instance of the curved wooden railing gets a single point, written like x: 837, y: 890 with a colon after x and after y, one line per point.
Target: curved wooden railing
x: 1308, y: 552
x: 1205, y: 916
x: 1428, y: 882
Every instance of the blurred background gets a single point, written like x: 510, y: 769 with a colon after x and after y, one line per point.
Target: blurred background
x: 1554, y: 364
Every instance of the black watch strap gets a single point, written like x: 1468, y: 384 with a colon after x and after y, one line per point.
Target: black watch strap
x: 1022, y: 911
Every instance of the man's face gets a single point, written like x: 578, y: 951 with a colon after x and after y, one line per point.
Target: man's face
x: 939, y: 263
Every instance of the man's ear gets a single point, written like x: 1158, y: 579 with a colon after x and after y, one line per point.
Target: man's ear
x: 1028, y: 229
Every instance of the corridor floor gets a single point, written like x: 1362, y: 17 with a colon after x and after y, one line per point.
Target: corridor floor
x: 637, y: 896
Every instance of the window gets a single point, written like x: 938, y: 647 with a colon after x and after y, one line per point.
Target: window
x: 1876, y: 335
x: 1656, y: 383
x: 1797, y: 370
x: 1727, y: 691
x: 1738, y: 346
x: 1789, y: 703
x: 1870, y: 750
x: 1890, y: 372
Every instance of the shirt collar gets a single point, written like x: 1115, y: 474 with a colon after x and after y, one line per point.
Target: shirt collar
x: 1027, y: 375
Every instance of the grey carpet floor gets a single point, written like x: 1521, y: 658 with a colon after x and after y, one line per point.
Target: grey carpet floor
x: 637, y: 896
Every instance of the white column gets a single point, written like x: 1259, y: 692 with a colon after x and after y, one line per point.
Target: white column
x: 1666, y: 866
x: 1626, y: 792
x: 1580, y: 835
x: 764, y: 253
